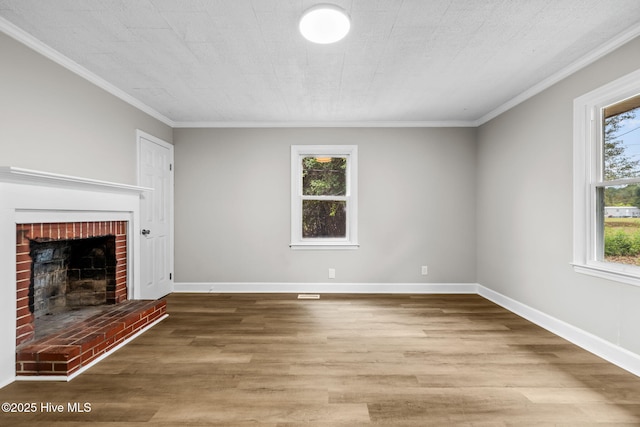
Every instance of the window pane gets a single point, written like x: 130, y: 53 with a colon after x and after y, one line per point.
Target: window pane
x: 324, y: 218
x: 622, y: 140
x: 324, y: 176
x: 621, y: 223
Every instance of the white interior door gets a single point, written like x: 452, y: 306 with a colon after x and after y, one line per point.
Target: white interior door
x: 155, y: 170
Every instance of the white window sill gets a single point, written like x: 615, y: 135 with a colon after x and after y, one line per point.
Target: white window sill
x: 616, y: 272
x: 324, y: 246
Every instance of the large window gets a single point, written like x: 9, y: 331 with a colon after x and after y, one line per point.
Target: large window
x: 324, y: 196
x: 607, y: 181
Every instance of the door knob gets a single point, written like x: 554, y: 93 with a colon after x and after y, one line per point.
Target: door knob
x: 145, y: 232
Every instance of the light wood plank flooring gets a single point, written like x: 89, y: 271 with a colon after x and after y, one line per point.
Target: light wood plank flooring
x: 343, y: 360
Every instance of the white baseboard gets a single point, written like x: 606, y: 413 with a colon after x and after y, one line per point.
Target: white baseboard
x: 7, y: 381
x: 610, y: 352
x: 327, y: 288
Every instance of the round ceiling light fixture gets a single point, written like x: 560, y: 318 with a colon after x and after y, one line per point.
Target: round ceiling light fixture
x: 324, y: 24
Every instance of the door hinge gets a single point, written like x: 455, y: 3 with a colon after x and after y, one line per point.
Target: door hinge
x: 170, y: 167
x: 170, y: 276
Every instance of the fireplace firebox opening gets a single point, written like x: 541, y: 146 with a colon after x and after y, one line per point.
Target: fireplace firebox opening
x: 67, y: 275
x: 67, y: 272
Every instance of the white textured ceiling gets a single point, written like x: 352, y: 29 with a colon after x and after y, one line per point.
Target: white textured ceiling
x: 241, y: 62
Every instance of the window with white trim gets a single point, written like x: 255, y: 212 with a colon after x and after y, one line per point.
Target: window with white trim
x: 324, y: 196
x: 607, y: 181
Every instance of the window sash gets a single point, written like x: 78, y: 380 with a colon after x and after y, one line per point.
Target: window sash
x: 588, y: 172
x: 299, y: 152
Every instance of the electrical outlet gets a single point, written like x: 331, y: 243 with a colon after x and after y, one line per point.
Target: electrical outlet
x: 332, y: 273
x: 425, y: 270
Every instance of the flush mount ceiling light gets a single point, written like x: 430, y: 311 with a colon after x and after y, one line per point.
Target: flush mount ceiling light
x: 324, y: 23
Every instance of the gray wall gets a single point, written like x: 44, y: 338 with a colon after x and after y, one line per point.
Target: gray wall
x: 418, y: 191
x: 55, y: 121
x: 525, y: 220
x: 416, y: 206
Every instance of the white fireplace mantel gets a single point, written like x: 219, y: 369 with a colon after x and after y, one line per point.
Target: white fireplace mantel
x: 30, y: 196
x: 29, y: 176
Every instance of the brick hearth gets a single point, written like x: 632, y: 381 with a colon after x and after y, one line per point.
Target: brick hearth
x: 81, y: 343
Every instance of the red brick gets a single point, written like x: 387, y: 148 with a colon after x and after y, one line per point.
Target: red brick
x: 91, y: 341
x: 25, y: 324
x: 21, y: 287
x: 139, y: 324
x: 87, y: 355
x: 75, y: 362
x: 23, y: 301
x: 60, y: 367
x: 46, y: 230
x: 59, y: 353
x: 27, y: 316
x: 26, y: 356
x: 23, y: 275
x: 71, y: 370
x: 117, y: 328
x: 111, y: 344
x: 23, y: 339
x: 22, y: 248
x: 44, y: 367
x: 55, y: 230
x: 23, y: 227
x: 23, y: 311
x: 23, y: 257
x: 25, y: 367
x: 100, y: 348
x: 155, y: 315
x: 62, y: 231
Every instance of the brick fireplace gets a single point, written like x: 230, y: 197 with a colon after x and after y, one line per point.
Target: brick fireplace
x: 80, y: 237
x: 66, y: 272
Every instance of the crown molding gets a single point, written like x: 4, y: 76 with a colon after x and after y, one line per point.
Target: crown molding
x: 328, y: 124
x: 604, y: 49
x: 48, y: 52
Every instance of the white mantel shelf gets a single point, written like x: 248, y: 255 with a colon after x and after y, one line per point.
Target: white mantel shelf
x: 29, y: 176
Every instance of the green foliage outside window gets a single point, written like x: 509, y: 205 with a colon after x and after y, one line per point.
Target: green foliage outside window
x: 621, y: 235
x: 325, y: 178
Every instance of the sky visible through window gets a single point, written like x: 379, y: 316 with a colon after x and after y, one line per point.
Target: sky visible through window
x: 629, y: 133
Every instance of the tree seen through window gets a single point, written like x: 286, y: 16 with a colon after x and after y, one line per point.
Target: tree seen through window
x: 324, y: 187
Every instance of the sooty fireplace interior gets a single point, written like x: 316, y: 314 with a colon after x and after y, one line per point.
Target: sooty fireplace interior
x: 69, y: 274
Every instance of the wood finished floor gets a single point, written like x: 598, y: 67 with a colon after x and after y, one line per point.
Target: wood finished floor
x: 343, y: 360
